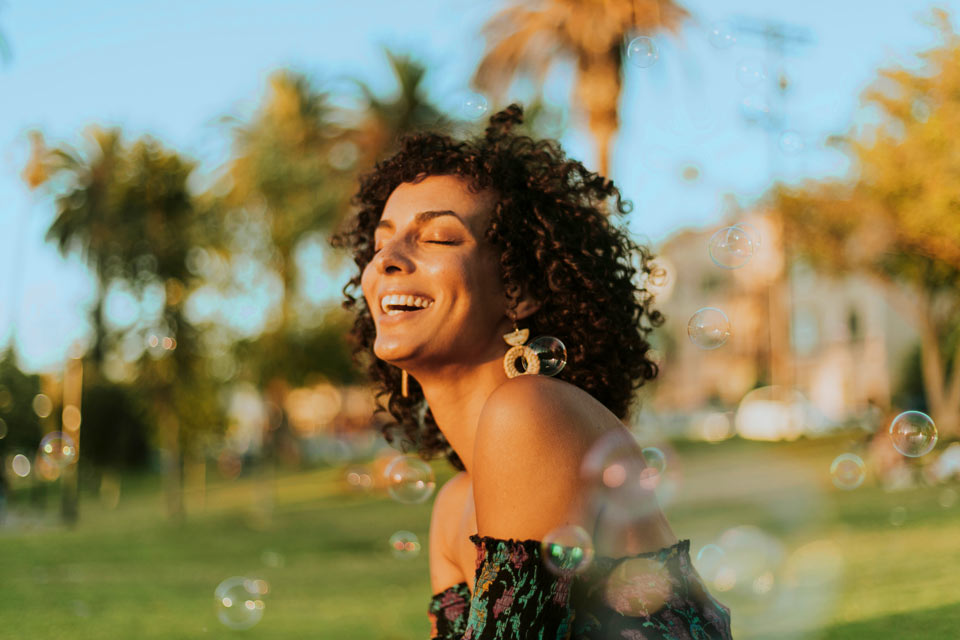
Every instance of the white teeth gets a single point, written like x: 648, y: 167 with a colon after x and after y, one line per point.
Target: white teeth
x: 406, y: 300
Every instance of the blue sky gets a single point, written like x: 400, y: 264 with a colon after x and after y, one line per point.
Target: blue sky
x: 171, y: 69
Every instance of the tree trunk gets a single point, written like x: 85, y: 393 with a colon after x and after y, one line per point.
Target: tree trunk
x: 172, y: 459
x: 597, y: 88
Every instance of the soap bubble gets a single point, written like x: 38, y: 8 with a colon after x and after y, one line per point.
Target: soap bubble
x: 405, y: 544
x: 750, y: 561
x: 751, y: 72
x: 409, y: 479
x: 3, y: 429
x: 658, y: 277
x: 847, y: 471
x: 709, y: 561
x: 755, y: 108
x: 58, y: 449
x: 567, y: 549
x: 359, y: 478
x: 642, y: 52
x: 656, y: 464
x: 239, y: 601
x: 708, y: 328
x: 752, y: 231
x: 470, y: 105
x: 552, y: 353
x: 621, y: 485
x: 791, y: 142
x: 731, y: 247
x: 721, y: 35
x: 913, y: 433
x: 638, y: 586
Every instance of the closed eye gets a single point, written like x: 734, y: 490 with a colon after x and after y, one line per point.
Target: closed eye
x: 441, y: 242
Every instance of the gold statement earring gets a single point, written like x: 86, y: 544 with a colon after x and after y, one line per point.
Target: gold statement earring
x: 531, y: 361
x: 404, y: 390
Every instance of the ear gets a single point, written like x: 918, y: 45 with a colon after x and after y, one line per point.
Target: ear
x: 527, y: 307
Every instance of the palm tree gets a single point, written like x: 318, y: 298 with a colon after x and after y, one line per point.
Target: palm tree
x: 382, y: 122
x: 128, y: 212
x: 525, y: 41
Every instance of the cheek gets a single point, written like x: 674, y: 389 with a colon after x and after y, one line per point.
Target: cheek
x: 366, y: 284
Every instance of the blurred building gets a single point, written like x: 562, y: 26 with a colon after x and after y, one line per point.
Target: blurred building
x: 836, y: 341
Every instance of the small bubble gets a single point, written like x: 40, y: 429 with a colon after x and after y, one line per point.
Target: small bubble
x: 642, y: 52
x: 58, y: 449
x: 709, y: 561
x: 847, y: 471
x: 752, y: 231
x: 913, y: 434
x: 721, y: 35
x: 567, y: 549
x: 656, y: 463
x: 405, y: 545
x: 409, y: 479
x: 552, y: 353
x: 791, y: 142
x: 709, y: 328
x: 751, y: 72
x: 658, y: 277
x: 731, y: 247
x: 470, y: 105
x: 238, y: 602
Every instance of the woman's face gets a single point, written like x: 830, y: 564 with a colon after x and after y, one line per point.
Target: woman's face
x: 429, y: 244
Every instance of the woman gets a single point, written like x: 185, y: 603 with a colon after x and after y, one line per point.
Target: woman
x: 466, y: 250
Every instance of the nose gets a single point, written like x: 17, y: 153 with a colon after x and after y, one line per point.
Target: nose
x: 392, y: 257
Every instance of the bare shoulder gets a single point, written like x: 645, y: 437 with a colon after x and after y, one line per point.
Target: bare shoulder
x: 531, y: 437
x: 447, y: 508
x: 528, y: 409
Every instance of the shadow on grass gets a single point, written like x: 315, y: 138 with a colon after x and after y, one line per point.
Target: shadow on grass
x: 929, y: 624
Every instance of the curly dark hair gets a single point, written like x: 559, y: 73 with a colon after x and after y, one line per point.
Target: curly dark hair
x: 552, y: 230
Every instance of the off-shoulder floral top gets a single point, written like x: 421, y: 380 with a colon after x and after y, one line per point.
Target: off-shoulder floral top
x: 648, y: 596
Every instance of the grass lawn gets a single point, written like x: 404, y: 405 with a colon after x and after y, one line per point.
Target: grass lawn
x: 834, y: 564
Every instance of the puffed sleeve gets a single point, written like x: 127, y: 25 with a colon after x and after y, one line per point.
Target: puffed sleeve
x: 448, y: 613
x: 515, y: 596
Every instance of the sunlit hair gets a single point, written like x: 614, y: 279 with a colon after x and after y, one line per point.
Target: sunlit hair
x: 551, y: 228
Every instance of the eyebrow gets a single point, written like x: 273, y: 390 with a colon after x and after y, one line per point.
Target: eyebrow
x: 422, y: 218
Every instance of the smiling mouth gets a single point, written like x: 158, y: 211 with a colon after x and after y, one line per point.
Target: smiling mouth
x: 396, y: 310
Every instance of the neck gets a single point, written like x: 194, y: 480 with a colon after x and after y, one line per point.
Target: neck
x: 456, y: 395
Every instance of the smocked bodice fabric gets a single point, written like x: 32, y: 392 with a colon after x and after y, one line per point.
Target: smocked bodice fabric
x: 647, y: 596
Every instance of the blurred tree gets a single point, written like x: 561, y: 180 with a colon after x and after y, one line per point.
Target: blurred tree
x: 383, y: 121
x: 115, y: 427
x: 526, y: 41
x: 127, y: 210
x: 897, y: 221
x: 21, y: 426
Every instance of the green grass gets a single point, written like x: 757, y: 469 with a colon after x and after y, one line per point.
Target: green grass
x: 129, y: 573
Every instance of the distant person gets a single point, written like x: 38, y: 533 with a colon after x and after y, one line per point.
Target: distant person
x: 467, y: 249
